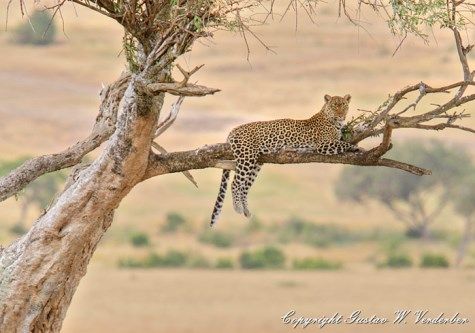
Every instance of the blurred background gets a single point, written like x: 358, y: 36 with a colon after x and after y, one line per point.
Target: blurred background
x: 323, y: 238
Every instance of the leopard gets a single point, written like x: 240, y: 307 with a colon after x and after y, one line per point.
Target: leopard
x: 321, y: 133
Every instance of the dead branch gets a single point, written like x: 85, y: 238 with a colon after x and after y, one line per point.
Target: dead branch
x: 170, y: 119
x: 187, y: 75
x: 103, y: 128
x: 163, y: 126
x: 178, y: 90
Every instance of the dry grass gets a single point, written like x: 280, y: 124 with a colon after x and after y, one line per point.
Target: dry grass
x: 175, y: 301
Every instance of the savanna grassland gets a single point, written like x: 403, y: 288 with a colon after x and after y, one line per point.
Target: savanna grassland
x: 49, y: 100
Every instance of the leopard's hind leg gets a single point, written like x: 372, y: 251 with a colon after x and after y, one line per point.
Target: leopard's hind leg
x: 236, y: 193
x: 245, y: 191
x: 243, y: 175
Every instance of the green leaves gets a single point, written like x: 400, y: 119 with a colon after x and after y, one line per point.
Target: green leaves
x: 39, y: 29
x: 130, y: 50
x: 42, y: 190
x: 415, y: 200
x: 464, y: 195
x: 198, y: 23
x: 413, y: 16
x: 448, y: 164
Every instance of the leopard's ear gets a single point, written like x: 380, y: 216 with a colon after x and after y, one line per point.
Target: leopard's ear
x: 327, y: 98
x: 347, y: 97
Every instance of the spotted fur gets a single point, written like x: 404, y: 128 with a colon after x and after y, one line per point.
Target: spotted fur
x: 321, y: 133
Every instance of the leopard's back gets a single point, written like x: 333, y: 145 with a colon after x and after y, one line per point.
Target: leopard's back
x: 321, y: 132
x: 265, y: 137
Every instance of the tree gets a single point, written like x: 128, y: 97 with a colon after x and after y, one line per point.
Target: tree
x: 464, y: 202
x: 405, y: 195
x: 39, y: 192
x: 40, y: 271
x: 39, y: 30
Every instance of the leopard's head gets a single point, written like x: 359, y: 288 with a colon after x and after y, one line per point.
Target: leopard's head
x: 336, y: 107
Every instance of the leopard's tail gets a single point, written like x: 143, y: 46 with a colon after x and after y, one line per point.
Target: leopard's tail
x: 220, y: 199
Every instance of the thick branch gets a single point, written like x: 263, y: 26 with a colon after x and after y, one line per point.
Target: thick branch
x: 181, y: 90
x: 103, y: 128
x: 214, y: 155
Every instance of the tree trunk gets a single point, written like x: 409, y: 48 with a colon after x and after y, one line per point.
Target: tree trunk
x: 24, y: 205
x: 465, y: 242
x: 40, y: 272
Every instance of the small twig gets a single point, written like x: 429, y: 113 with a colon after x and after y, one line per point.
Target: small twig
x: 422, y: 93
x: 164, y: 125
x: 187, y: 75
x: 400, y: 44
x: 170, y: 119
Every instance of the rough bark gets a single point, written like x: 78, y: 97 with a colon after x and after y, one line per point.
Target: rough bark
x: 103, y: 127
x: 41, y: 270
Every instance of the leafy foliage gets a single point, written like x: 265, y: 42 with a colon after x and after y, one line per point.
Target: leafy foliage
x: 39, y: 192
x: 172, y: 258
x: 216, y: 238
x: 268, y: 257
x: 318, y: 235
x: 397, y: 260
x: 199, y: 261
x: 139, y: 239
x: 18, y: 229
x: 173, y: 222
x: 464, y: 195
x: 403, y: 193
x: 224, y: 263
x: 38, y: 30
x: 316, y: 264
x: 447, y: 163
x: 431, y: 260
x: 411, y: 16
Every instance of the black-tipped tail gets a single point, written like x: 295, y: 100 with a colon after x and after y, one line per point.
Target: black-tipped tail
x: 220, y: 199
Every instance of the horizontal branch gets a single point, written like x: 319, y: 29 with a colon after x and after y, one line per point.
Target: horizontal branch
x: 219, y: 156
x: 178, y: 89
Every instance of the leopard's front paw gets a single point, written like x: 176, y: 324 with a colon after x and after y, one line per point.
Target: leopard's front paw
x: 357, y: 150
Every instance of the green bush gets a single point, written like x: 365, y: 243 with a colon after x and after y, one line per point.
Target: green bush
x: 430, y: 260
x: 318, y: 235
x: 293, y: 229
x: 254, y: 225
x: 172, y: 258
x: 216, y: 238
x: 152, y: 260
x: 397, y: 260
x: 251, y: 261
x: 224, y: 263
x: 267, y: 257
x: 173, y: 222
x: 18, y: 229
x: 38, y: 30
x: 316, y: 263
x: 139, y: 239
x: 199, y: 262
x: 273, y: 257
x: 131, y: 263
